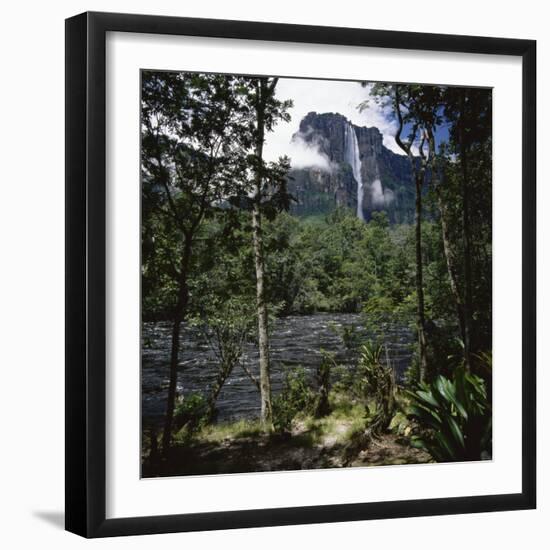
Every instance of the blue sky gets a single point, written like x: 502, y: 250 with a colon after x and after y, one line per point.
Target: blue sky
x: 441, y: 132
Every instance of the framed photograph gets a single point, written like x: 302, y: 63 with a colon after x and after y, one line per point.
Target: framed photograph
x: 300, y: 274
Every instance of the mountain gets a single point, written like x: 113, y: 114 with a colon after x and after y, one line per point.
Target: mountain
x: 353, y: 169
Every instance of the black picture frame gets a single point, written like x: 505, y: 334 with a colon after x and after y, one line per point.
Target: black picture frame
x: 86, y: 279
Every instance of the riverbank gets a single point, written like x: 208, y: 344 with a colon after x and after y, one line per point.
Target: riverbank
x: 295, y: 341
x: 334, y: 441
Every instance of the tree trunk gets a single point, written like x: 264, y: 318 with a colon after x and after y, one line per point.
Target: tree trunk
x: 263, y: 339
x: 323, y: 379
x: 266, y: 413
x: 418, y: 175
x: 179, y: 316
x: 420, y: 316
x: 451, y: 263
x: 215, y: 391
x: 450, y: 258
x: 468, y: 333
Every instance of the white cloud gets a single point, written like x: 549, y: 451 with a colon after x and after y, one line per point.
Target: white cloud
x: 305, y: 154
x: 377, y: 193
x: 380, y: 197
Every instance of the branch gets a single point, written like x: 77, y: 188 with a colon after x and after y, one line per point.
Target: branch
x: 431, y: 144
x: 433, y: 162
x: 171, y: 204
x: 251, y: 376
x: 421, y: 149
x: 406, y: 147
x: 164, y: 182
x: 400, y: 121
x: 272, y: 85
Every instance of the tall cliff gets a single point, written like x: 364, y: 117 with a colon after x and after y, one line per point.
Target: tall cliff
x: 360, y: 172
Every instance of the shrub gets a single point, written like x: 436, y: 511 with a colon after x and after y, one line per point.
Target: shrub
x: 322, y: 406
x: 455, y: 415
x: 412, y: 372
x: 190, y: 411
x: 296, y: 396
x: 349, y: 334
x: 400, y: 425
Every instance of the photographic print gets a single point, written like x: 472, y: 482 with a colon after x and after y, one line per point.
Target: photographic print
x: 316, y: 273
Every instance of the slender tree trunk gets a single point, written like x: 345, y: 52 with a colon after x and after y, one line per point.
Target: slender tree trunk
x: 179, y: 316
x: 323, y: 380
x: 263, y: 339
x: 468, y: 332
x: 418, y: 176
x: 450, y: 258
x: 420, y: 315
x: 216, y: 389
x: 451, y: 263
x: 266, y: 413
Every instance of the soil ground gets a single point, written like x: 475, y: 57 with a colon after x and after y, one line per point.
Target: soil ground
x: 308, y: 447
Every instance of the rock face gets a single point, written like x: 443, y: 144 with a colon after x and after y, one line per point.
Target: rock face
x: 384, y: 177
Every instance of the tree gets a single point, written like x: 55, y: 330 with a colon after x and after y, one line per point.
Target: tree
x: 415, y: 107
x: 226, y: 323
x: 469, y: 113
x: 451, y: 260
x: 269, y: 196
x: 191, y: 162
x: 224, y: 311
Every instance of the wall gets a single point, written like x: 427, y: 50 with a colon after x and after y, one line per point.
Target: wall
x: 31, y: 289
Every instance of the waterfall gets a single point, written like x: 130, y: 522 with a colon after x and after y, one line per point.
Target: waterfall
x: 351, y: 147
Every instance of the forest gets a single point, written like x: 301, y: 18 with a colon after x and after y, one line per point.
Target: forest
x: 274, y: 339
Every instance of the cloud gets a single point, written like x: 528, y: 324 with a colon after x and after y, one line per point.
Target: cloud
x: 380, y: 116
x: 304, y: 154
x: 377, y: 193
x: 379, y: 196
x: 327, y: 96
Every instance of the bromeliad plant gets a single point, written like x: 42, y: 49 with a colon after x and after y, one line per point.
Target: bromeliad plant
x: 455, y: 416
x: 378, y: 386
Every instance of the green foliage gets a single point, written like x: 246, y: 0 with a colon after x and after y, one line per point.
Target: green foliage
x: 378, y: 385
x: 376, y: 377
x: 350, y: 335
x: 322, y: 406
x: 455, y: 415
x: 345, y: 421
x: 190, y: 411
x: 230, y: 430
x: 226, y: 324
x: 199, y: 134
x: 400, y: 424
x: 295, y: 397
x: 199, y: 152
x: 370, y: 363
x: 483, y: 364
x: 339, y: 263
x: 412, y: 372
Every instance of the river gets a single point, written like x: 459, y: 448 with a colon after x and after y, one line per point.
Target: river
x: 295, y: 341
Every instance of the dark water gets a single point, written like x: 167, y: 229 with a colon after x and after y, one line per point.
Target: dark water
x: 295, y: 341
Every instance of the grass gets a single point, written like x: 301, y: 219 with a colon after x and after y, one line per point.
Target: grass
x: 346, y: 419
x: 243, y: 446
x: 230, y: 430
